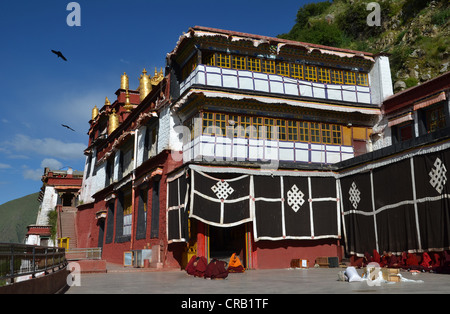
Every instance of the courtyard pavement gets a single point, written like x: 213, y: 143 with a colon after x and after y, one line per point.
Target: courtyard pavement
x: 271, y: 291
x: 120, y: 280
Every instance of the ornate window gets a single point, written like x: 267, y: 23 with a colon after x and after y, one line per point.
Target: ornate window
x: 239, y: 63
x: 311, y: 73
x: 283, y: 68
x: 349, y: 78
x: 297, y: 71
x: 254, y: 64
x: 324, y: 75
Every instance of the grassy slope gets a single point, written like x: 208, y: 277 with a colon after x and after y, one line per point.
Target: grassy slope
x: 406, y: 26
x: 15, y: 216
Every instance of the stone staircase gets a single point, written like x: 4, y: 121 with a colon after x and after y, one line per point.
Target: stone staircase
x: 66, y: 225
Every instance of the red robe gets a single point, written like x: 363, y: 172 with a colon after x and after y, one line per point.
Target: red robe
x: 216, y: 270
x: 412, y: 261
x: 197, y: 266
x: 376, y: 257
x: 426, y: 259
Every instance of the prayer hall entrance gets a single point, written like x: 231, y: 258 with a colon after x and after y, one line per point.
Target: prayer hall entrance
x: 224, y: 241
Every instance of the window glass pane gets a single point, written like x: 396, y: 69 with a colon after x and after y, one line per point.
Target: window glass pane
x: 362, y: 79
x: 256, y: 130
x: 292, y: 130
x: 283, y: 68
x: 281, y: 129
x: 337, y: 77
x: 297, y: 71
x: 315, y: 132
x: 303, y: 131
x: 239, y: 63
x: 254, y: 64
x: 349, y: 78
x: 326, y: 133
x: 223, y: 60
x: 324, y: 75
x: 268, y: 66
x: 311, y: 73
x: 337, y: 134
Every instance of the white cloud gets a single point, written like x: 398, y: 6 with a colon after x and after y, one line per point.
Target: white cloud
x: 5, y: 166
x: 47, y: 147
x: 34, y: 175
x: 51, y: 163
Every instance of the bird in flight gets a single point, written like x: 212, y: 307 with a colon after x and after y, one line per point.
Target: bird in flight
x: 66, y: 126
x: 59, y: 54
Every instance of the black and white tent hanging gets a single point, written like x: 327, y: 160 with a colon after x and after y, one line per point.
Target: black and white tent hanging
x: 177, y: 212
x: 398, y: 205
x: 281, y: 205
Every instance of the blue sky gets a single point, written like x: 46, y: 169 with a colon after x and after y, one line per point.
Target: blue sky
x: 39, y: 91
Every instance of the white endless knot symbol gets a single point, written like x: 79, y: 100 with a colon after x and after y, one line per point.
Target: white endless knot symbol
x: 295, y: 198
x: 222, y: 190
x: 437, y: 175
x: 354, y: 195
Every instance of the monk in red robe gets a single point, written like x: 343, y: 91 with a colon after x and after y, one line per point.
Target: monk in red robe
x: 216, y: 270
x: 384, y: 260
x: 402, y: 262
x: 197, y: 266
x: 376, y: 257
x: 426, y: 261
x: 412, y: 262
x: 367, y: 258
x: 393, y: 261
x: 190, y: 269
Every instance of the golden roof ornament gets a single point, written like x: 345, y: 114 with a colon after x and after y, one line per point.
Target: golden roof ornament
x: 128, y: 106
x: 107, y: 102
x: 113, y: 121
x: 124, y: 82
x: 145, y: 85
x: 94, y: 112
x: 158, y: 77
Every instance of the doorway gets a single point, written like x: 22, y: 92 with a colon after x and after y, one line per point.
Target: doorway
x: 224, y: 241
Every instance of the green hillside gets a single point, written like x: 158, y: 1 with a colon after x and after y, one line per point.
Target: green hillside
x: 15, y: 216
x: 416, y: 33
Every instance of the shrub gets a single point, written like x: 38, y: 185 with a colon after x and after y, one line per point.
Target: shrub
x: 411, y: 81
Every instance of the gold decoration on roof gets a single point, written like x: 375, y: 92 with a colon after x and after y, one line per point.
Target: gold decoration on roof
x: 113, y: 121
x: 124, y: 82
x: 158, y: 77
x: 145, y: 85
x: 107, y: 102
x: 94, y: 112
x: 128, y: 106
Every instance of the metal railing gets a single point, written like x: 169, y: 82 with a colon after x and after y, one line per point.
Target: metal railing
x: 17, y: 260
x: 84, y: 253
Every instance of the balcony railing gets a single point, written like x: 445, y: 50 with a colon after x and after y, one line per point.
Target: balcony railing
x: 21, y: 260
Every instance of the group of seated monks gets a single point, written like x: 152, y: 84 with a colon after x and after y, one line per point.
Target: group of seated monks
x: 438, y: 262
x: 198, y: 266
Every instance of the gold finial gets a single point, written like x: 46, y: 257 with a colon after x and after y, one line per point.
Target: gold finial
x: 113, y: 121
x: 145, y: 85
x: 107, y: 102
x: 124, y: 82
x: 158, y: 77
x: 94, y: 112
x: 128, y: 106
